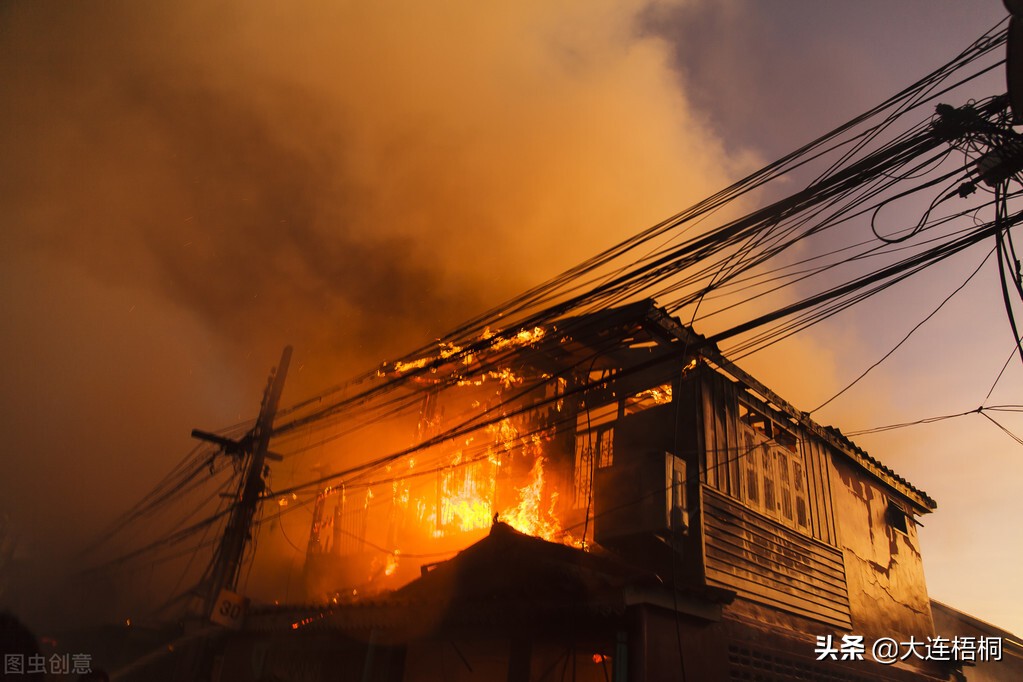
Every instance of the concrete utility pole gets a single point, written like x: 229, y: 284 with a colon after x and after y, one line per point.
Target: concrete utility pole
x: 237, y: 534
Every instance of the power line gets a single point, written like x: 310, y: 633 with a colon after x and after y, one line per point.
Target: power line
x: 865, y: 161
x: 906, y: 337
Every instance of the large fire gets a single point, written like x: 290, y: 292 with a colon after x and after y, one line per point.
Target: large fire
x: 468, y: 495
x: 496, y: 341
x: 428, y: 506
x: 436, y: 505
x: 529, y: 515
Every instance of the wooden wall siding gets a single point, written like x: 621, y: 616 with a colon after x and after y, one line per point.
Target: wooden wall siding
x: 822, y: 514
x: 720, y: 463
x: 768, y: 563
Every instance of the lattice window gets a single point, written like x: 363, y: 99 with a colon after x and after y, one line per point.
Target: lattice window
x: 774, y: 478
x: 596, y: 443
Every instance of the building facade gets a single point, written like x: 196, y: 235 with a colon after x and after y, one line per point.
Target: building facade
x: 632, y: 506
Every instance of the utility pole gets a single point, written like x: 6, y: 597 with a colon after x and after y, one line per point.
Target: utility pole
x: 228, y: 558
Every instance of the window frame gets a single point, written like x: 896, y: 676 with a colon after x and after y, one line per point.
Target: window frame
x: 773, y: 479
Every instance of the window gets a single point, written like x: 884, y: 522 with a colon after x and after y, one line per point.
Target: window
x: 594, y: 438
x: 773, y: 475
x: 897, y: 517
x: 678, y: 516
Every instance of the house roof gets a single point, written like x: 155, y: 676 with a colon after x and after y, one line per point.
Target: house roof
x: 880, y: 470
x: 641, y: 340
x: 651, y: 337
x: 951, y: 622
x: 515, y: 564
x: 507, y: 578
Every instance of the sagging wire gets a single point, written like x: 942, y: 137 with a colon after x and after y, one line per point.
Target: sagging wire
x: 959, y: 191
x: 1002, y: 428
x: 1000, y: 222
x: 918, y: 422
x: 546, y: 292
x: 754, y: 239
x: 879, y: 280
x: 202, y: 543
x: 907, y: 336
x: 983, y: 411
x: 488, y: 417
x: 1005, y: 366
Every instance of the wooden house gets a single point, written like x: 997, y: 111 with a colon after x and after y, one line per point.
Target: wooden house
x: 711, y: 531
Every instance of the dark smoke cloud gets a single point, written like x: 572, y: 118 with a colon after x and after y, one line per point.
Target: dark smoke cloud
x: 150, y: 174
x: 188, y: 186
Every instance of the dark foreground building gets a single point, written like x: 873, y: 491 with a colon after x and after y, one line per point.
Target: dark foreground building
x: 727, y: 536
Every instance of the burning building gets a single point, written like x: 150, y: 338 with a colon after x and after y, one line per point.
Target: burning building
x: 605, y: 495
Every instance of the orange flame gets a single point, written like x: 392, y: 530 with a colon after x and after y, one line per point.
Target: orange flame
x: 528, y: 516
x: 523, y: 337
x: 392, y: 563
x: 468, y: 491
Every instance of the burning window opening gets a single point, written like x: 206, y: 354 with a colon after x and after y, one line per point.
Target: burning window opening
x: 548, y: 405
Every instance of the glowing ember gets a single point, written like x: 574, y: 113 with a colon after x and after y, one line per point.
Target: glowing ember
x: 523, y: 337
x: 505, y: 377
x: 447, y: 350
x: 660, y: 395
x: 403, y: 367
x: 392, y: 563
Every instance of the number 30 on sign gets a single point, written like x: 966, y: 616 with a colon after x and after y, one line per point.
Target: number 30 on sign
x: 229, y: 610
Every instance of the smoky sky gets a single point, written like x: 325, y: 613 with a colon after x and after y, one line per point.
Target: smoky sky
x: 735, y: 60
x: 249, y: 165
x: 154, y: 174
x: 186, y: 187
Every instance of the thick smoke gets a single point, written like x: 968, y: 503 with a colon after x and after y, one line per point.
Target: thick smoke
x: 348, y: 175
x: 188, y: 186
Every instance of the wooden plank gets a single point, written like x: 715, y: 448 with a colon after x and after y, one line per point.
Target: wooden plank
x: 722, y: 453
x: 824, y: 456
x: 701, y: 502
x: 821, y: 501
x: 822, y: 469
x: 754, y: 592
x: 812, y: 457
x: 823, y: 517
x: 710, y: 458
x: 817, y: 522
x: 732, y: 560
x: 756, y: 549
x: 720, y: 404
x: 805, y: 569
x: 760, y: 551
x: 761, y: 538
x: 806, y: 603
x: 765, y: 561
x: 731, y: 416
x: 717, y: 503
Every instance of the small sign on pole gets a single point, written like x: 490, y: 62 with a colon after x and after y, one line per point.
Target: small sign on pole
x: 229, y: 609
